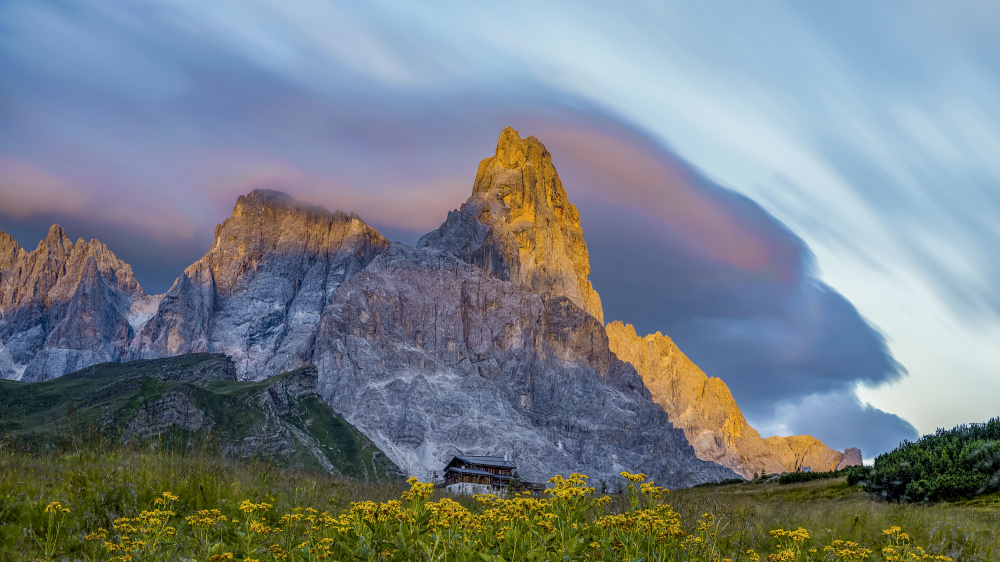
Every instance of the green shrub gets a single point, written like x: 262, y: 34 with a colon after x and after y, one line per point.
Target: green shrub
x: 954, y: 464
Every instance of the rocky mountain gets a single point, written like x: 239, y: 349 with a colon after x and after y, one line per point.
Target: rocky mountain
x: 63, y: 306
x: 188, y: 402
x: 485, y: 338
x: 258, y: 293
x: 705, y: 409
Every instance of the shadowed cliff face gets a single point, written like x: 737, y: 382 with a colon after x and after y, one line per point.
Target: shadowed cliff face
x: 431, y: 357
x: 519, y: 225
x: 258, y: 293
x: 704, y: 408
x: 63, y: 306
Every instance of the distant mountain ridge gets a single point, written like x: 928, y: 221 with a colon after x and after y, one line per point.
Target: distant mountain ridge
x: 705, y: 409
x: 486, y: 337
x: 64, y: 306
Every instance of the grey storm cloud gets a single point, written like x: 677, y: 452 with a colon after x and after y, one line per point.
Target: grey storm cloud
x: 163, y: 125
x: 845, y: 422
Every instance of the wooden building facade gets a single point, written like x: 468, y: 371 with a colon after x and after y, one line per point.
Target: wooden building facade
x: 488, y: 471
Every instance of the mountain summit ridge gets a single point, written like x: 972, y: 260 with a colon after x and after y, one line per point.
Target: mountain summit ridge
x: 258, y: 292
x: 63, y: 306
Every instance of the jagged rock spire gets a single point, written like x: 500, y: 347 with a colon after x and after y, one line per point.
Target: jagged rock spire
x: 519, y: 225
x: 52, y: 271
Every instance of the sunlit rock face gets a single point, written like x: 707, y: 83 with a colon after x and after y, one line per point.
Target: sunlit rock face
x: 258, y: 293
x: 63, y: 306
x: 431, y: 357
x: 518, y: 225
x: 705, y: 409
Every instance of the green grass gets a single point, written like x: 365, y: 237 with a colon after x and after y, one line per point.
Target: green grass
x: 832, y: 509
x: 65, y: 440
x: 100, y: 485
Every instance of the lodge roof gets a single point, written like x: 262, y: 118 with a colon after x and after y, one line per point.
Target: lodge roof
x: 484, y: 461
x: 477, y: 472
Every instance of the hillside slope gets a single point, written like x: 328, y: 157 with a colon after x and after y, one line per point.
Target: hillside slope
x: 193, y: 401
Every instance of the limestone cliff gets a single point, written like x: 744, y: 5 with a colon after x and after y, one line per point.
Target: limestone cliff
x: 489, y: 337
x: 63, y: 306
x: 519, y: 225
x: 52, y: 271
x: 258, y: 293
x: 430, y: 357
x: 705, y: 409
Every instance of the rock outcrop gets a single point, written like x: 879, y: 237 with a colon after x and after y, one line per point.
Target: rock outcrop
x: 705, y: 409
x: 63, y: 306
x: 258, y: 293
x: 10, y: 253
x: 518, y: 225
x: 851, y: 457
x: 431, y: 357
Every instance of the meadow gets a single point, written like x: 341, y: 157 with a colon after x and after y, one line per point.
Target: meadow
x: 133, y: 504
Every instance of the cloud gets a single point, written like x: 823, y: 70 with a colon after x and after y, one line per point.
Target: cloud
x: 27, y: 190
x: 843, y: 421
x: 674, y: 252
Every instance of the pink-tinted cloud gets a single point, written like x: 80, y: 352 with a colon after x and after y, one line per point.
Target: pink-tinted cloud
x: 28, y: 190
x: 613, y: 169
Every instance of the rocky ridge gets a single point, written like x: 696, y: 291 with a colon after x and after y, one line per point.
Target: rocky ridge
x: 705, y: 409
x: 63, y: 306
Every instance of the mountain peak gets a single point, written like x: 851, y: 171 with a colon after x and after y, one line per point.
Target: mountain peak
x: 261, y: 199
x: 513, y: 151
x: 268, y: 194
x: 57, y: 232
x: 519, y: 225
x: 267, y: 223
x: 259, y: 291
x: 56, y: 239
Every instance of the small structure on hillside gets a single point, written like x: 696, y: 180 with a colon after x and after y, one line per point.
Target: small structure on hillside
x: 490, y: 471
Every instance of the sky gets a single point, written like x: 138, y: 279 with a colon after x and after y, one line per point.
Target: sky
x: 804, y: 196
